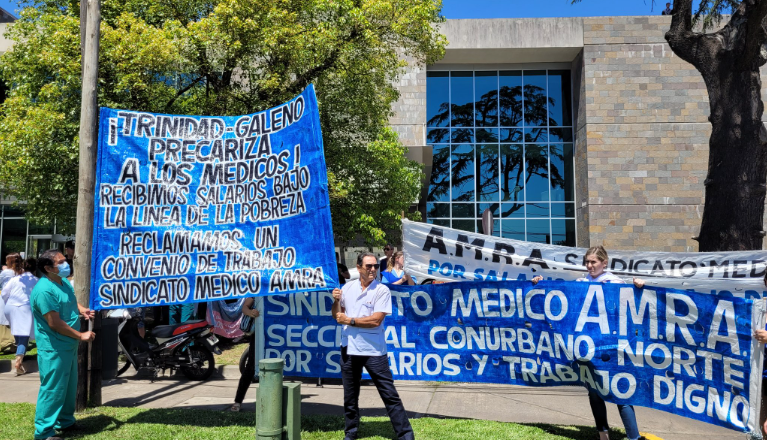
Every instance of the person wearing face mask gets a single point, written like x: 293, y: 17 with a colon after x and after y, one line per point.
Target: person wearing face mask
x: 360, y: 307
x: 596, y: 262
x: 57, y: 322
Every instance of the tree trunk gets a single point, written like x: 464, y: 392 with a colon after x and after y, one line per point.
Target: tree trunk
x: 729, y: 60
x: 733, y: 215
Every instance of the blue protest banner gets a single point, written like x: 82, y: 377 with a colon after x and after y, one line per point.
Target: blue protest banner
x: 678, y: 351
x: 198, y: 208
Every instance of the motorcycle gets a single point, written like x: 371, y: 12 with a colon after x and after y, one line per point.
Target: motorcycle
x: 188, y: 347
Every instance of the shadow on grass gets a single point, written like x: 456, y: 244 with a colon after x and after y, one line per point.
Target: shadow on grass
x: 575, y: 432
x: 105, y: 420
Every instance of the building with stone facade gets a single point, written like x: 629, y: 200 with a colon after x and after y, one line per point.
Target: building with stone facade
x: 573, y: 131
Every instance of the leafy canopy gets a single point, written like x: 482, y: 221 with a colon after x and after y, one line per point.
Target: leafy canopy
x: 221, y: 57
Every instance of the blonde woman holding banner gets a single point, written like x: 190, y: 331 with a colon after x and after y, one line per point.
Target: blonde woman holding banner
x: 596, y: 263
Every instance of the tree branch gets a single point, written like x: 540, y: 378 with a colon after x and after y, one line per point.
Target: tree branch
x: 755, y: 11
x: 182, y: 91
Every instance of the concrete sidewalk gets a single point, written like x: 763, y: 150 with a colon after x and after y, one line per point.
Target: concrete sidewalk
x: 505, y: 403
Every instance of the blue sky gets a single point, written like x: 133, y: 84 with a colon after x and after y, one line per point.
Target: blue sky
x: 520, y: 8
x: 548, y: 8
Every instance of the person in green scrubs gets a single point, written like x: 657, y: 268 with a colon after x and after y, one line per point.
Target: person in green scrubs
x: 57, y: 320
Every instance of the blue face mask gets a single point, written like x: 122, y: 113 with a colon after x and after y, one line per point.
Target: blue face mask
x: 64, y: 270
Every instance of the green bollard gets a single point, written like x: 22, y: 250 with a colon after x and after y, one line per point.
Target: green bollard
x: 269, y: 400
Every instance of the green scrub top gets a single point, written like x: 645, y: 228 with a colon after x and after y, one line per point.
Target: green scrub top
x: 48, y: 296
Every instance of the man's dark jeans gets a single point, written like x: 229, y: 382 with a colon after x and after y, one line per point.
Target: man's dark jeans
x: 378, y: 368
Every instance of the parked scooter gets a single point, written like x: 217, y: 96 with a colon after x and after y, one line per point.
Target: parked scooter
x: 188, y: 346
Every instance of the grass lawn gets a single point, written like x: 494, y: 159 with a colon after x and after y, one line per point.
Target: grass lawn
x: 231, y: 352
x: 160, y: 424
x: 30, y: 354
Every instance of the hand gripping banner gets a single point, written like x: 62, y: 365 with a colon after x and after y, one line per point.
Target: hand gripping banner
x: 198, y: 208
x: 682, y: 352
x: 440, y: 253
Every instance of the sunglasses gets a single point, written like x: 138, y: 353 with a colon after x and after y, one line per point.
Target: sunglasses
x: 371, y: 266
x: 387, y: 249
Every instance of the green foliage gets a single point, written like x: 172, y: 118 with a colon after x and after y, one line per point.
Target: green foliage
x: 225, y: 57
x: 708, y: 14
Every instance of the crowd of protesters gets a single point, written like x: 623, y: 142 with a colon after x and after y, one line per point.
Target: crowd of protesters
x: 46, y: 307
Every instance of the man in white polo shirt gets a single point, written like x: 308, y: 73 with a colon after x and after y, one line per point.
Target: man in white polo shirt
x: 361, y: 308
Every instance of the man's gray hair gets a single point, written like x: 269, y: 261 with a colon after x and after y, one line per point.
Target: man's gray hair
x: 362, y: 256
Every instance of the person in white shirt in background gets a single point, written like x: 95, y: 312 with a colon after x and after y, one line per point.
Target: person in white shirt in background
x: 12, y: 267
x: 15, y: 295
x: 361, y: 307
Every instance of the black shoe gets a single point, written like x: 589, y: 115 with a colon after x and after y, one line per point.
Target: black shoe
x: 54, y: 438
x: 71, y: 428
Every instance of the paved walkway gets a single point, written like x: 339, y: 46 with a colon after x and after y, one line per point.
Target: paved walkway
x: 505, y: 403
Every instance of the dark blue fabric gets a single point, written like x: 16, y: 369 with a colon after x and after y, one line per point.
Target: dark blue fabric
x: 192, y: 209
x: 512, y: 332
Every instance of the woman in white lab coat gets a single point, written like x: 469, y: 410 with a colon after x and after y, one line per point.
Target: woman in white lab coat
x: 15, y: 294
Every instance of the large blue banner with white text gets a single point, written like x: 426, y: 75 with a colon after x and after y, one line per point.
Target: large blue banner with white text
x: 202, y: 208
x: 678, y: 351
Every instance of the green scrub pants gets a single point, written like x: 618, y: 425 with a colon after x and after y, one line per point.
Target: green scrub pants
x: 58, y: 390
x: 180, y: 313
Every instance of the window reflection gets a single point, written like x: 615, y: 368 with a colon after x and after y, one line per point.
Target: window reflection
x: 439, y: 188
x: 513, y: 229
x: 487, y: 173
x: 536, y: 172
x: 486, y: 107
x: 462, y: 99
x: 562, y: 173
x: 506, y: 144
x: 510, y: 98
x: 512, y: 179
x: 560, y: 103
x: 438, y: 99
x: 536, y: 98
x: 463, y: 173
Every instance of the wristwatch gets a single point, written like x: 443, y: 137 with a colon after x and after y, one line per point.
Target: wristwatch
x: 353, y: 322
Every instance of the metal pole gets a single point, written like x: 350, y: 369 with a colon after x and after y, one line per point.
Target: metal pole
x: 269, y: 400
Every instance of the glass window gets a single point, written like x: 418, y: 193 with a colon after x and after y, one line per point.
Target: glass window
x: 513, y: 229
x: 465, y: 210
x: 485, y: 135
x: 14, y: 237
x: 536, y: 172
x: 486, y: 104
x: 503, y: 140
x: 463, y: 173
x: 510, y: 98
x: 538, y: 210
x: 536, y: 98
x: 496, y: 228
x: 438, y: 136
x: 37, y: 229
x: 437, y: 99
x: 439, y: 186
x: 538, y: 231
x: 462, y: 136
x: 560, y: 105
x: 561, y: 210
x: 512, y: 177
x: 512, y: 210
x: 562, y: 173
x: 464, y: 225
x: 563, y: 232
x: 12, y: 211
x: 439, y: 222
x: 438, y: 210
x: 487, y: 173
x: 461, y: 99
x: 493, y: 207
